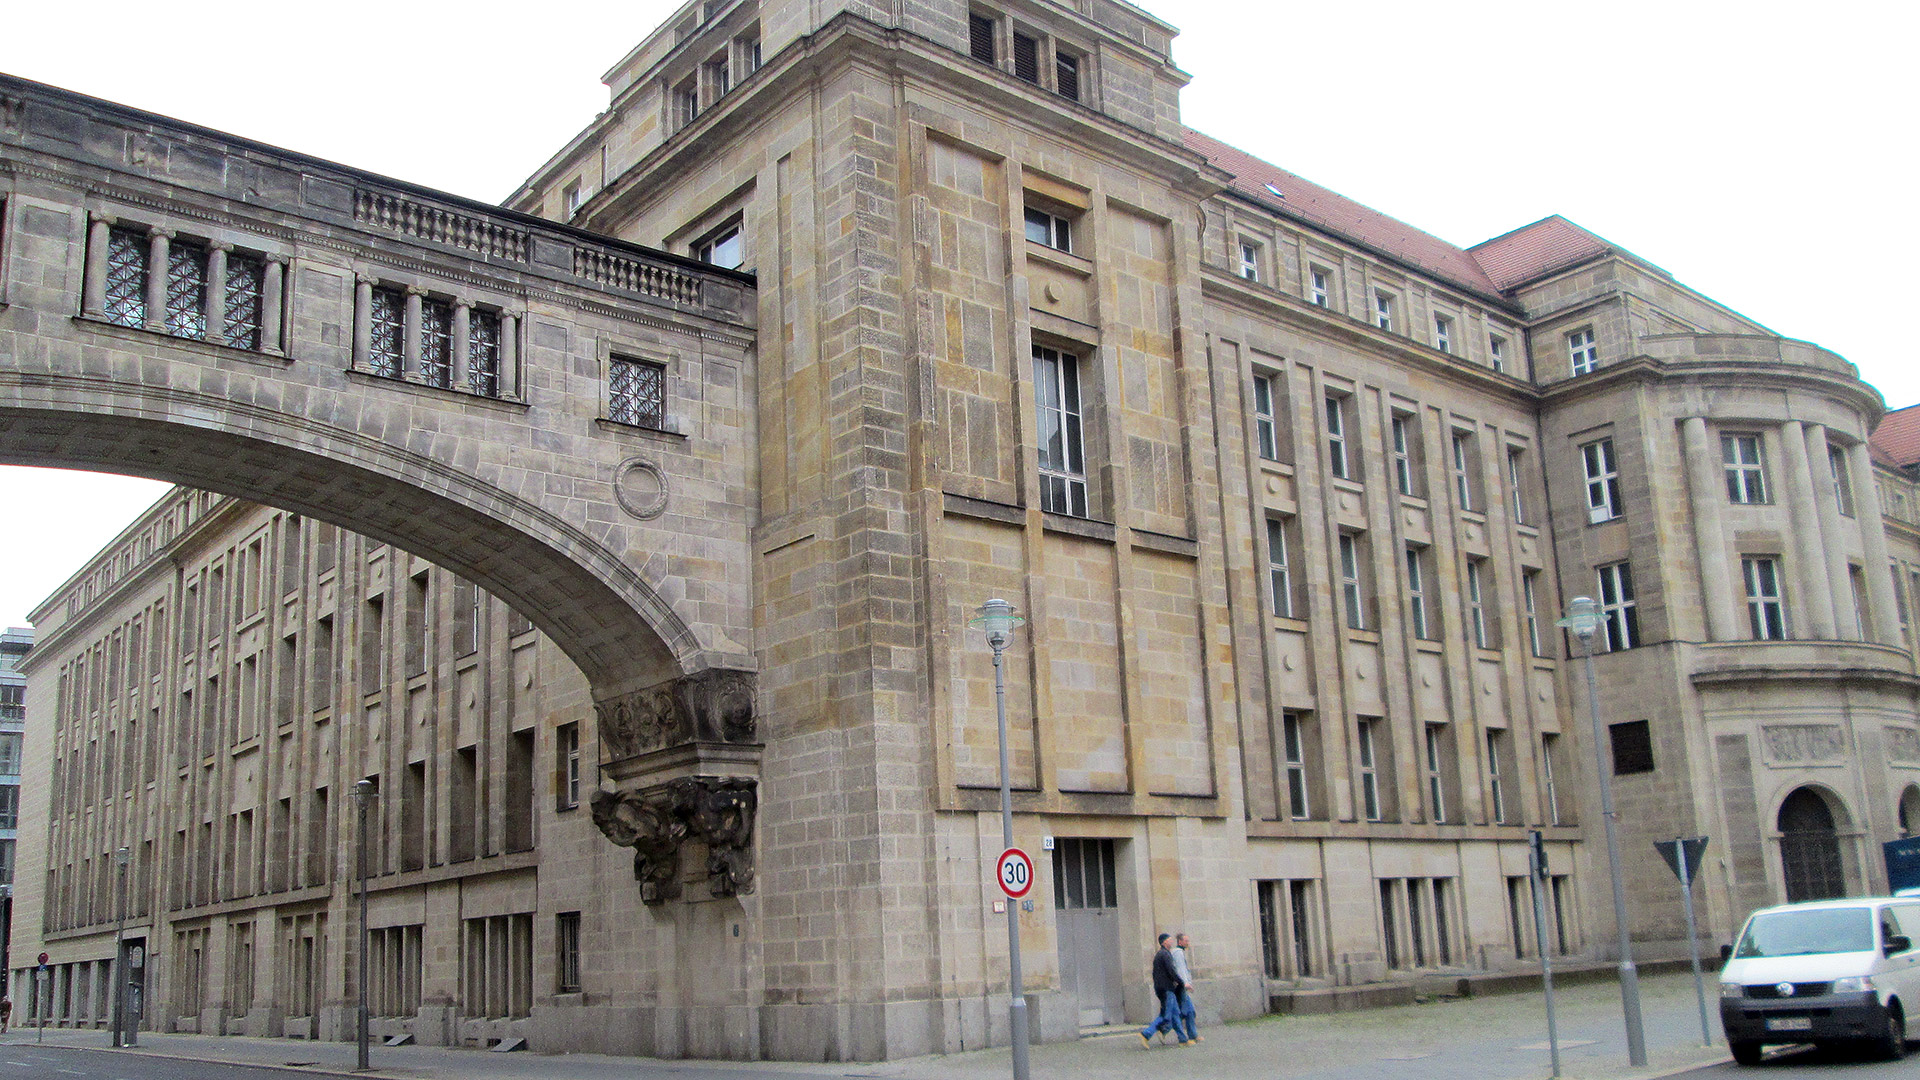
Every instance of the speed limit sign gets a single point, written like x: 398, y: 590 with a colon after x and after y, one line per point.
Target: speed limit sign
x: 1016, y: 873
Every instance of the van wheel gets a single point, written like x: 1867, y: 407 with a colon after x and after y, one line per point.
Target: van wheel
x: 1893, y: 1044
x: 1746, y: 1053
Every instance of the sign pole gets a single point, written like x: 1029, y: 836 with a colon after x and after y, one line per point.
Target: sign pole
x: 1536, y: 883
x: 1693, y: 939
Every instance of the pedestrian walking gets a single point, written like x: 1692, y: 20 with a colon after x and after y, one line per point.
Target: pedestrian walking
x: 1182, y: 958
x: 6, y: 1014
x: 1166, y: 991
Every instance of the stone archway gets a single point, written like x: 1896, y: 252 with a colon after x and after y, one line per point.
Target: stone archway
x: 1811, y: 863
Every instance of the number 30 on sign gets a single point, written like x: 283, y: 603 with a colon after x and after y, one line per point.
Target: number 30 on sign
x: 1016, y: 873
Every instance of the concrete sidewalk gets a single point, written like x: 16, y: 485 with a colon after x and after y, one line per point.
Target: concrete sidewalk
x: 1494, y: 1038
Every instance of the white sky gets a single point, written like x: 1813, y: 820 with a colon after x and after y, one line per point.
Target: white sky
x: 1762, y: 157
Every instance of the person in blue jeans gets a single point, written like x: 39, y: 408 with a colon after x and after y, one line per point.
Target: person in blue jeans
x: 1181, y: 958
x: 1166, y: 990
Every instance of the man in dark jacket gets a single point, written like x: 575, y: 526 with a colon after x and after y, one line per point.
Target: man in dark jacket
x: 1166, y: 990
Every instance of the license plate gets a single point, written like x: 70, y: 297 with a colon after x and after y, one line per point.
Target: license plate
x: 1789, y: 1023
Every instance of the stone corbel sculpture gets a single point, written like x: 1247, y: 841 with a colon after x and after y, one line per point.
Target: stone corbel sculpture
x: 657, y: 822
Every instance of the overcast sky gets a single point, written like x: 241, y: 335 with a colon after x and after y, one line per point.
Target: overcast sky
x: 1760, y: 152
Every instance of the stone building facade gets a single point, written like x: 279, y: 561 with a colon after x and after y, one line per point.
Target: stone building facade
x: 1291, y: 494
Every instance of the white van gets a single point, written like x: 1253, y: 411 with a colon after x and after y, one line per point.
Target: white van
x: 1823, y: 972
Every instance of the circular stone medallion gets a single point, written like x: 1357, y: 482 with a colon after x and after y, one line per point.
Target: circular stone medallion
x: 641, y: 488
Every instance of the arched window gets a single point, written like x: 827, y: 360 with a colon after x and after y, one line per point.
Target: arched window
x: 1810, y: 848
x: 1910, y: 810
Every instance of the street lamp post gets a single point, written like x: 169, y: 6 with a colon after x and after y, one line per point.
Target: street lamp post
x: 120, y: 858
x: 997, y: 618
x: 1584, y: 619
x: 364, y: 795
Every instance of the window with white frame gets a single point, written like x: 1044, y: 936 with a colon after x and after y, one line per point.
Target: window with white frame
x: 1603, y: 480
x: 686, y: 102
x: 1319, y: 286
x: 724, y: 247
x: 1746, y: 476
x: 1443, y: 333
x: 1339, y: 456
x: 1294, y: 752
x: 1765, y: 610
x: 1620, y: 617
x: 1250, y: 260
x: 1370, y: 803
x: 1436, y: 757
x: 1477, y: 603
x: 1550, y: 790
x: 1383, y: 310
x: 1582, y: 351
x: 1497, y: 353
x: 1496, y: 791
x: 1528, y: 584
x: 1049, y: 229
x: 1063, y: 465
x: 1266, y: 431
x: 1463, y: 468
x: 1842, y: 482
x: 1516, y: 484
x: 1405, y: 443
x: 1352, y: 590
x: 573, y: 198
x: 637, y: 393
x: 1417, y: 593
x: 1279, y: 576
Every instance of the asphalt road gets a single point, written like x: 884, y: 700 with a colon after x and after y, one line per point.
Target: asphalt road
x: 1809, y: 1063
x: 18, y: 1062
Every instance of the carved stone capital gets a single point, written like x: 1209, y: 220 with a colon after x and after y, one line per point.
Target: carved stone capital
x: 657, y: 822
x: 710, y: 706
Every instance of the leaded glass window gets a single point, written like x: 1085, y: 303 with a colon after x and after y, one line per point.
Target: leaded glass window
x: 483, y: 353
x: 637, y: 393
x: 187, y: 291
x: 126, y: 278
x: 436, y: 343
x: 246, y: 279
x: 389, y: 326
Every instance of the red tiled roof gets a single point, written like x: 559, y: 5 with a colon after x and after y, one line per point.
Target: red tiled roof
x: 1535, y: 250
x: 1896, y: 441
x: 1343, y: 217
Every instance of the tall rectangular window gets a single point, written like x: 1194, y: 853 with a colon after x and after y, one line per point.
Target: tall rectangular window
x: 1279, y: 576
x: 246, y: 284
x: 980, y: 39
x: 1294, y: 752
x: 1549, y: 750
x: 1063, y: 465
x: 1066, y: 75
x: 1516, y: 485
x: 187, y: 290
x: 1443, y: 333
x: 1463, y: 468
x: 1528, y: 584
x: 483, y: 352
x: 1383, y: 311
x: 1417, y: 594
x: 1603, y: 480
x: 1266, y: 431
x: 436, y: 343
x: 1765, y: 611
x: 1339, y: 460
x: 1477, y: 603
x: 1436, y: 757
x: 1319, y: 286
x: 686, y: 102
x: 1249, y: 260
x: 1582, y: 351
x: 1746, y: 477
x: 566, y: 756
x: 1404, y: 445
x: 1352, y: 595
x: 1026, y: 58
x: 1842, y: 482
x: 126, y: 277
x: 637, y: 393
x: 566, y: 935
x: 1857, y: 579
x: 1369, y: 771
x: 1620, y: 617
x: 1497, y: 353
x: 389, y: 328
x: 1496, y: 749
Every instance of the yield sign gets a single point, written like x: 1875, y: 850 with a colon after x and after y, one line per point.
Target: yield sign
x: 1693, y: 846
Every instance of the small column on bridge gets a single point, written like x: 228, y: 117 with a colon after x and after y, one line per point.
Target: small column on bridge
x: 217, y: 292
x: 159, y: 247
x: 462, y: 311
x: 410, y: 337
x: 93, y: 301
x: 509, y: 356
x: 363, y: 323
x: 271, y: 293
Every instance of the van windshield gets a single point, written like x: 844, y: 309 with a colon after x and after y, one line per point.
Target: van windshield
x: 1801, y: 933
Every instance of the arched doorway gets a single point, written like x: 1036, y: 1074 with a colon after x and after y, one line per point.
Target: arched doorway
x: 1910, y: 810
x: 1810, y: 848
